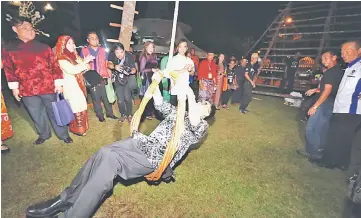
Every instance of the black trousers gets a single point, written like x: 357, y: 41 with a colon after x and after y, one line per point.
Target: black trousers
x: 95, y: 178
x: 149, y: 108
x: 41, y: 111
x: 226, y: 95
x: 98, y: 95
x: 237, y: 94
x: 290, y: 82
x: 342, y: 132
x: 124, y: 98
x: 246, y: 95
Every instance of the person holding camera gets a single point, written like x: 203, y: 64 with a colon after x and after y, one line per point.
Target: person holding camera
x: 122, y: 65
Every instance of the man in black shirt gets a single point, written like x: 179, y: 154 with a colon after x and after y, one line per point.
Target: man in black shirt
x: 240, y: 72
x: 291, y: 68
x: 122, y: 65
x: 320, y: 113
x: 249, y: 84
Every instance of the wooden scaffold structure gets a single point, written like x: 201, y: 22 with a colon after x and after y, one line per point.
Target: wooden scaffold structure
x: 308, y: 28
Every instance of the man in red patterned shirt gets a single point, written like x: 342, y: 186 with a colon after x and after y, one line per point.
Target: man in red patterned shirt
x: 34, y: 76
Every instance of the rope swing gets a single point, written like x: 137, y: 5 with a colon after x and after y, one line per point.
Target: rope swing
x: 179, y: 126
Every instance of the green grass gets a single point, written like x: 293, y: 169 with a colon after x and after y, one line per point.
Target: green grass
x: 247, y: 167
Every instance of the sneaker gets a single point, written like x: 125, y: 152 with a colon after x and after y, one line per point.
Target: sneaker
x: 242, y: 111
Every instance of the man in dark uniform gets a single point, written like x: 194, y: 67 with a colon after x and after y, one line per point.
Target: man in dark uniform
x: 249, y: 83
x: 240, y: 72
x: 291, y: 68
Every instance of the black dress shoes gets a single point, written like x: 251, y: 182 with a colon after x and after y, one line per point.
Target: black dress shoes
x: 328, y: 166
x: 39, y: 141
x: 68, y: 140
x: 113, y: 117
x: 101, y: 119
x: 49, y: 208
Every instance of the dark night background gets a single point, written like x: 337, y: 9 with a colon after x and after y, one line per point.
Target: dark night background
x: 216, y: 26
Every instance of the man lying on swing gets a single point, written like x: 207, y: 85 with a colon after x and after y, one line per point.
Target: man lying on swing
x: 133, y: 157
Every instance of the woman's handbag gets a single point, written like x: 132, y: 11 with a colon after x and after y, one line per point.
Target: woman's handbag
x: 109, y: 89
x: 62, y: 111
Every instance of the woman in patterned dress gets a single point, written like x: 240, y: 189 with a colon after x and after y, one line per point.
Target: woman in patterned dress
x: 219, y: 82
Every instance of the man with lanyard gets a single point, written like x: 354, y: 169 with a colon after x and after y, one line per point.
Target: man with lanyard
x: 99, y: 64
x: 240, y: 75
x: 249, y: 83
x: 122, y: 66
x: 346, y: 119
x: 230, y: 83
x: 321, y: 111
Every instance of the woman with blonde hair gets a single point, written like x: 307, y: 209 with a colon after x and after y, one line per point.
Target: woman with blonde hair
x: 147, y: 62
x: 74, y: 88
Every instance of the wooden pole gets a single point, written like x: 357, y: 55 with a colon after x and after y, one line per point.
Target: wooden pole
x: 127, y: 23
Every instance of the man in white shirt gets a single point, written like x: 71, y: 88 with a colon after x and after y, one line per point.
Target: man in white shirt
x: 346, y: 119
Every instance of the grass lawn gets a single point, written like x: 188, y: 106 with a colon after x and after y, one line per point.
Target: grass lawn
x: 247, y: 167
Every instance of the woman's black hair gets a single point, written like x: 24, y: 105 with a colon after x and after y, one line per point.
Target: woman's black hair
x: 212, y: 113
x: 118, y: 46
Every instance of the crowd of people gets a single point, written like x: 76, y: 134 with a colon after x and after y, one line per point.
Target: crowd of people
x: 97, y: 72
x: 36, y: 75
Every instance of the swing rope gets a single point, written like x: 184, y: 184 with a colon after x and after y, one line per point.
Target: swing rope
x: 179, y: 126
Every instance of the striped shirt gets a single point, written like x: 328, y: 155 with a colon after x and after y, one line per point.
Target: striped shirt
x: 347, y: 100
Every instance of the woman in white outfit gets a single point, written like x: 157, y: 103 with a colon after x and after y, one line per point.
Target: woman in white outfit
x: 74, y: 89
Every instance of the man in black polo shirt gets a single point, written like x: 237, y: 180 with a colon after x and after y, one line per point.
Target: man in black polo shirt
x: 240, y: 71
x: 249, y: 84
x: 292, y: 66
x: 321, y: 112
